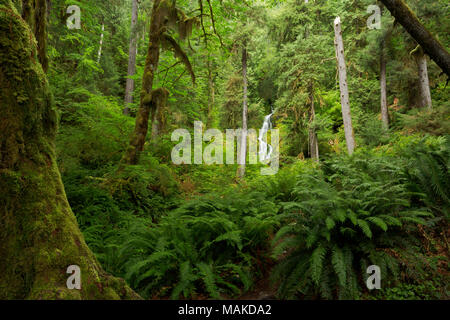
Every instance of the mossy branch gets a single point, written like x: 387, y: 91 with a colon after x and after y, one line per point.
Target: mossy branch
x: 179, y: 53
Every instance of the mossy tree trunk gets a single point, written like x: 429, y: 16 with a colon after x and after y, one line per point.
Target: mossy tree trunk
x: 158, y: 110
x: 34, y: 12
x: 146, y: 106
x: 403, y: 14
x: 39, y: 235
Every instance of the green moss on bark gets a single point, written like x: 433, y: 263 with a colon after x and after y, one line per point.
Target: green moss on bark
x: 39, y: 235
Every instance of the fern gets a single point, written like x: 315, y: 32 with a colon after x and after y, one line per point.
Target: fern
x: 317, y: 258
x: 334, y: 227
x: 203, y: 247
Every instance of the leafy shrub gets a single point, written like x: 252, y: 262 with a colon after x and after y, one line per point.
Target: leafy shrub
x: 372, y: 132
x: 434, y: 122
x: 147, y: 189
x: 93, y: 135
x: 427, y: 290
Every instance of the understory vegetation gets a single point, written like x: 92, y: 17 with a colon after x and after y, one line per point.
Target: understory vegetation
x: 315, y: 227
x: 224, y: 231
x: 308, y: 232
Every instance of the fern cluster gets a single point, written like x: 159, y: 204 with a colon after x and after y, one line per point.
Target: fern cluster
x: 345, y: 217
x: 206, y: 247
x: 428, y: 172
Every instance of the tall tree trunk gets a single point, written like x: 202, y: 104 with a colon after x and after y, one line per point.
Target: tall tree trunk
x: 155, y: 125
x: 313, y: 141
x: 403, y: 14
x: 145, y: 107
x: 159, y: 108
x: 345, y: 103
x: 34, y: 12
x: 383, y: 89
x: 243, y: 145
x: 131, y: 58
x: 99, y: 55
x: 39, y: 236
x: 211, y: 92
x: 424, y: 83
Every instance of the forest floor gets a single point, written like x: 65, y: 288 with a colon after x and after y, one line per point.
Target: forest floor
x: 263, y: 290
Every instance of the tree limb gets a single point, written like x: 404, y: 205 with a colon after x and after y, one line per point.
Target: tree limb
x: 403, y: 14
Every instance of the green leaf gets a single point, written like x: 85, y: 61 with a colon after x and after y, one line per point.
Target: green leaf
x: 364, y: 227
x: 378, y: 222
x: 329, y: 223
x: 317, y: 258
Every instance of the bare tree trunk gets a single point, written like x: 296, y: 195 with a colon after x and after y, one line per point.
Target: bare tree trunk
x: 131, y: 59
x: 403, y: 14
x: 313, y: 141
x: 99, y: 55
x: 243, y: 149
x: 383, y: 89
x: 39, y: 236
x: 345, y: 103
x: 146, y: 105
x: 424, y: 83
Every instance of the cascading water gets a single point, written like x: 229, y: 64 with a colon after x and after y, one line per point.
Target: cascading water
x: 265, y: 154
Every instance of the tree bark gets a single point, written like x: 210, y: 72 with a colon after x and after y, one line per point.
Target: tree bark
x: 39, y: 235
x: 159, y: 107
x: 211, y: 92
x: 131, y: 58
x: 34, y: 12
x: 403, y: 14
x: 243, y: 145
x: 313, y: 141
x: 137, y: 141
x: 345, y: 103
x: 383, y: 88
x: 99, y: 54
x: 424, y: 83
x: 155, y: 125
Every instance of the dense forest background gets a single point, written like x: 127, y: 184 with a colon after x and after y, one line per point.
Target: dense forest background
x: 223, y: 231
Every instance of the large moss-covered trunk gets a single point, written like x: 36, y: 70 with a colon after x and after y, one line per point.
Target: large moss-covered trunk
x: 39, y: 235
x: 34, y: 12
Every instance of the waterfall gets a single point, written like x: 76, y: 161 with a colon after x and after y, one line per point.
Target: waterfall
x: 264, y: 155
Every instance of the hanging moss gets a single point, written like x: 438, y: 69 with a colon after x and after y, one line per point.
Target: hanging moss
x: 40, y: 237
x: 137, y: 141
x: 164, y: 14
